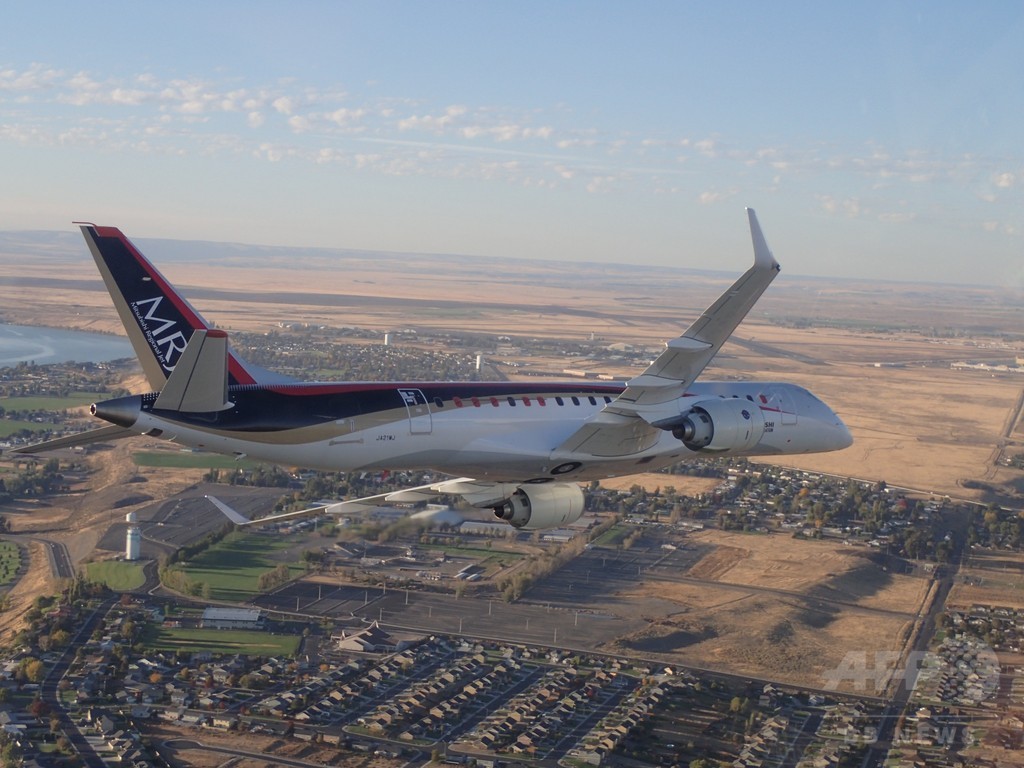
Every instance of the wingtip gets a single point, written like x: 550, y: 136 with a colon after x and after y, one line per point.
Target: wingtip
x: 762, y: 253
x: 230, y: 513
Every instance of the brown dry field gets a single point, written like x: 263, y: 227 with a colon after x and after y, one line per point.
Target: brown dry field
x: 776, y: 607
x: 990, y: 578
x: 79, y: 521
x: 270, y: 746
x: 651, y: 481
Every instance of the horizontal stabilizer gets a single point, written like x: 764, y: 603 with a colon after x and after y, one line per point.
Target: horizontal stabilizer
x: 100, y: 435
x: 199, y: 381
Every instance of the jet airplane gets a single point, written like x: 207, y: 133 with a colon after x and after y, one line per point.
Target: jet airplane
x: 519, y: 448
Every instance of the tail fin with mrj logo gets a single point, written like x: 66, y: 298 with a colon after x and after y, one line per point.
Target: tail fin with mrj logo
x: 158, y: 320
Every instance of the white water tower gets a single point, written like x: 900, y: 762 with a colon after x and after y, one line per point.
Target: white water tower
x: 133, y: 541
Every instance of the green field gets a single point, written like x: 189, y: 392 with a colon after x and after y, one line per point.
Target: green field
x: 117, y: 574
x: 253, y: 643
x: 233, y: 567
x: 190, y: 460
x: 9, y: 426
x: 10, y: 561
x: 75, y: 400
x: 612, y: 537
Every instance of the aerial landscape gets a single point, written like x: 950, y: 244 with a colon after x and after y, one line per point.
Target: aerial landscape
x: 398, y: 384
x: 809, y: 584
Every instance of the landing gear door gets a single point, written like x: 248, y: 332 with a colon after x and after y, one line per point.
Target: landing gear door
x: 419, y: 411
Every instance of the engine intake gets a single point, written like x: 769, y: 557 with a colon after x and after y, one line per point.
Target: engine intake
x: 723, y: 424
x: 536, y: 507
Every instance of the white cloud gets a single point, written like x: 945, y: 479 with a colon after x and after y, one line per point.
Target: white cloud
x: 345, y: 117
x: 601, y: 184
x: 849, y: 207
x: 564, y: 172
x: 712, y: 197
x: 36, y: 78
x: 897, y: 217
x: 284, y: 105
x: 1004, y: 180
x: 707, y: 147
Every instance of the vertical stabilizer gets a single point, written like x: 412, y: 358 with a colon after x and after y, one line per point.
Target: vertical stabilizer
x: 158, y: 320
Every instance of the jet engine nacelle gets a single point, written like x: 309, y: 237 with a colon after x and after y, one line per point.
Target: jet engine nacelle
x: 721, y: 424
x: 535, y: 507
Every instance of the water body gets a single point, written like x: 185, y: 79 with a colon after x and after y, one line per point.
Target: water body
x: 23, y: 344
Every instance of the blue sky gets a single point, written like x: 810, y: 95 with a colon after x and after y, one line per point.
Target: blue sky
x: 876, y: 140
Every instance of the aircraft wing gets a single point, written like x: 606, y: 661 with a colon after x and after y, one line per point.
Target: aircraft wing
x: 627, y: 425
x: 476, y: 492
x: 99, y: 435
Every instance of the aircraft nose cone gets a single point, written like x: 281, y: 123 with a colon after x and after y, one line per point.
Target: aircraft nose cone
x: 122, y: 411
x: 840, y: 435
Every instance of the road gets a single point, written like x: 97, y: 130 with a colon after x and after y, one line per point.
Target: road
x: 60, y: 560
x: 945, y: 577
x: 51, y: 695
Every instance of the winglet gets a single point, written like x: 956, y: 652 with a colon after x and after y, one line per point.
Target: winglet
x: 231, y: 514
x: 668, y: 377
x: 762, y: 253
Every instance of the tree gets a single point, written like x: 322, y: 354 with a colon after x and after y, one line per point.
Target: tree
x: 59, y: 638
x: 34, y: 670
x: 38, y: 708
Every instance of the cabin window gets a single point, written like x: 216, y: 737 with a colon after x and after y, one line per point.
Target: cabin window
x: 526, y: 401
x: 592, y: 399
x: 475, y: 401
x: 511, y: 401
x: 457, y: 401
x: 559, y: 400
x: 439, y: 402
x: 607, y: 399
x: 575, y: 400
x: 541, y: 401
x: 494, y: 402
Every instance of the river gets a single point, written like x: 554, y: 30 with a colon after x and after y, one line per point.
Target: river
x: 23, y: 344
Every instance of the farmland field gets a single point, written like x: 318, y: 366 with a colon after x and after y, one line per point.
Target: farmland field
x: 189, y: 460
x: 74, y: 400
x: 254, y: 643
x: 232, y: 567
x: 117, y: 574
